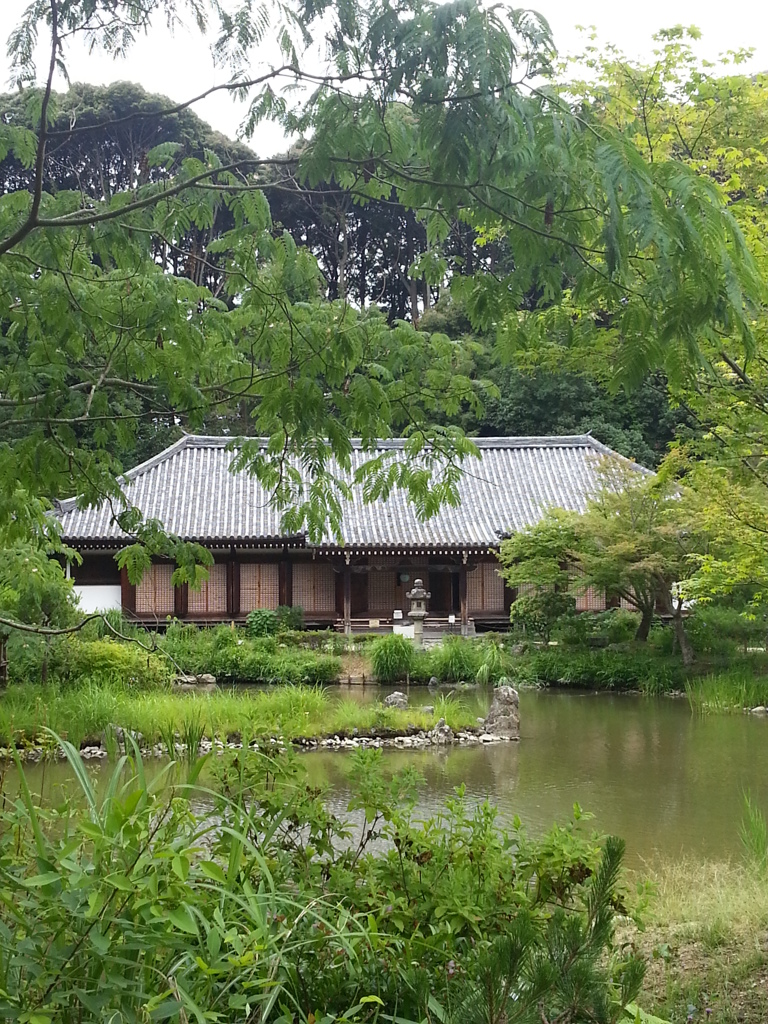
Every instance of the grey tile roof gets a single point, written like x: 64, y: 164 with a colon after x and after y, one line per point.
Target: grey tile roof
x: 190, y: 489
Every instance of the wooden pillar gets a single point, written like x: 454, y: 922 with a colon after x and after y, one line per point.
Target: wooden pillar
x: 233, y: 587
x: 127, y: 593
x: 285, y: 582
x: 347, y: 599
x: 463, y: 598
x: 181, y: 601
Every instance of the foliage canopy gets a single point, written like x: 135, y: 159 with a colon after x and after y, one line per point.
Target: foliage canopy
x: 163, y: 293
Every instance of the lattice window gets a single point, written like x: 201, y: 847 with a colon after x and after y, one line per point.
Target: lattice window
x: 627, y: 605
x: 382, y: 590
x: 485, y: 589
x: 314, y: 587
x: 154, y: 594
x: 590, y: 600
x: 259, y: 586
x: 211, y: 598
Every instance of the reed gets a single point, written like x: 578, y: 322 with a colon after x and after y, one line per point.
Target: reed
x: 92, y: 711
x: 754, y: 834
x: 726, y: 691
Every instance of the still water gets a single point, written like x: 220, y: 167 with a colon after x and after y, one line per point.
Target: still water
x: 671, y: 783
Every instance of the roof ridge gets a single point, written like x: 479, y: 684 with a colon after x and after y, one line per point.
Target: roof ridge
x: 499, y: 441
x: 187, y: 440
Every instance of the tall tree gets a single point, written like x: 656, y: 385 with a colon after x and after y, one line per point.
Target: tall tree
x: 715, y: 121
x: 439, y: 105
x: 638, y: 539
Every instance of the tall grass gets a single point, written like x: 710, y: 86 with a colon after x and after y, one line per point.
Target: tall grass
x: 702, y: 898
x: 90, y: 710
x: 754, y: 834
x: 727, y: 691
x: 392, y: 658
x: 456, y: 660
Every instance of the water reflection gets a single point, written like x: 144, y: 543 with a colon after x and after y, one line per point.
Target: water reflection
x: 649, y: 771
x: 667, y: 781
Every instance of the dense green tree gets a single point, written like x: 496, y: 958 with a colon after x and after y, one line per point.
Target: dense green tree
x: 640, y: 425
x: 555, y: 396
x: 715, y: 121
x: 439, y: 105
x: 638, y: 539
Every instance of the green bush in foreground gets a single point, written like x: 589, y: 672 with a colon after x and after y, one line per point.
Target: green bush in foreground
x: 272, y: 909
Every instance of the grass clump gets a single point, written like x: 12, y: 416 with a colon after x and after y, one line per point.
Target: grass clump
x: 392, y: 658
x: 730, y: 690
x: 456, y: 660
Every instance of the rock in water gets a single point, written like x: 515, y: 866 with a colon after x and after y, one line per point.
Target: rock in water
x: 504, y: 717
x: 397, y: 699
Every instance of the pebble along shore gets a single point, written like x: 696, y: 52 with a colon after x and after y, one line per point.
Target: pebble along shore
x: 441, y: 735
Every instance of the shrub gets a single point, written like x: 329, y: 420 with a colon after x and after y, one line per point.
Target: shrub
x: 456, y: 660
x: 618, y: 626
x: 600, y: 670
x: 290, y: 617
x: 392, y: 658
x: 451, y: 918
x: 30, y: 656
x: 586, y: 629
x: 110, y: 660
x: 574, y: 630
x: 316, y: 640
x: 539, y: 613
x: 717, y: 630
x: 261, y: 622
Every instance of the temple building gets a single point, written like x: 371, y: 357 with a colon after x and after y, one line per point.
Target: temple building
x: 358, y: 581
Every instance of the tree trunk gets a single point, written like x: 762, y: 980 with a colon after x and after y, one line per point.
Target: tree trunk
x: 683, y: 640
x: 645, y: 623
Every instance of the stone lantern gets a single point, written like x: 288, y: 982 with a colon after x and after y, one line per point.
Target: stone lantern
x: 418, y: 598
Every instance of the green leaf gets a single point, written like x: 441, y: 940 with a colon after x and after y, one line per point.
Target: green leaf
x: 213, y: 871
x: 182, y: 918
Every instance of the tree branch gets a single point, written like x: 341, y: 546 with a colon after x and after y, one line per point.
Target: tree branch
x: 37, y: 192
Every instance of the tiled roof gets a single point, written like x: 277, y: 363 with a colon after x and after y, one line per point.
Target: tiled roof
x: 190, y: 489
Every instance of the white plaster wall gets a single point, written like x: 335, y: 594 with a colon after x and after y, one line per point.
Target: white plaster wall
x: 99, y: 598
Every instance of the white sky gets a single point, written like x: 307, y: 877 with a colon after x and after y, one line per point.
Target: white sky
x: 180, y: 66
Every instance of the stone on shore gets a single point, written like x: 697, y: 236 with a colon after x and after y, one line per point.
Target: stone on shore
x: 503, y: 719
x: 442, y: 733
x: 203, y: 683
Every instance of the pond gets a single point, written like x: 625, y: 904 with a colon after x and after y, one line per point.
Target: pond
x: 669, y: 782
